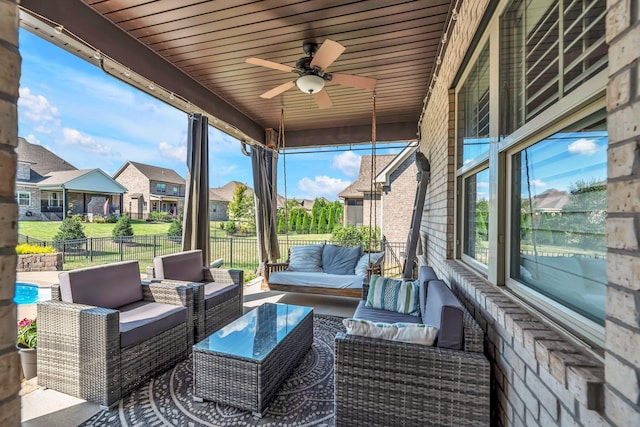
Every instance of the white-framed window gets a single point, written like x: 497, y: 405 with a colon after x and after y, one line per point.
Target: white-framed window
x: 539, y: 72
x: 475, y: 215
x: 55, y: 199
x: 23, y: 198
x: 175, y: 190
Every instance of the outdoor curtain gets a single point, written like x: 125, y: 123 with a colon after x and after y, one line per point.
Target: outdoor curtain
x: 264, y: 163
x: 195, y: 232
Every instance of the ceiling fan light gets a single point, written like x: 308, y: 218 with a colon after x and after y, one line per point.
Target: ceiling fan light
x: 310, y: 83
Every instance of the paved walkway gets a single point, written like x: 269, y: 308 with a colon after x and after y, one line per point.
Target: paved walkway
x: 49, y: 408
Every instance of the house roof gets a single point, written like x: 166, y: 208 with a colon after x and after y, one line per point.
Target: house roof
x: 41, y: 160
x: 362, y: 184
x: 84, y: 180
x: 153, y: 173
x: 551, y: 200
x: 384, y: 175
x: 215, y: 196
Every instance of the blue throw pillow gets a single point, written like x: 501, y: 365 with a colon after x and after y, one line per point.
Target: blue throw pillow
x: 306, y: 258
x: 340, y: 259
x: 394, y: 295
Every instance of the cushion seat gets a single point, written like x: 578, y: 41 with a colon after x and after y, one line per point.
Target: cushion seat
x: 216, y: 293
x: 319, y: 279
x: 142, y: 320
x: 384, y: 316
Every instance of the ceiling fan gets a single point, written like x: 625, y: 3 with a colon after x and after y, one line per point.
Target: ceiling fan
x: 312, y: 71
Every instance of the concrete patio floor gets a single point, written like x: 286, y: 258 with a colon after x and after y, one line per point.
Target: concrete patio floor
x: 45, y: 407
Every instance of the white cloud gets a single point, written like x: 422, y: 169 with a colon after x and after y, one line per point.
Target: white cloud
x: 538, y: 183
x: 583, y: 146
x: 76, y: 139
x: 347, y: 162
x: 36, y: 107
x: 482, y: 184
x: 32, y: 139
x: 322, y: 186
x: 176, y: 152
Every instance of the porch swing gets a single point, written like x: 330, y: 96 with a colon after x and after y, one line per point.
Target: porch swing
x: 280, y: 276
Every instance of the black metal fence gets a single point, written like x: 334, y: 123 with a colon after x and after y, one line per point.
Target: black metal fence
x: 239, y: 253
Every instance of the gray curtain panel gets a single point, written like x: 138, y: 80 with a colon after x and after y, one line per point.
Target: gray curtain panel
x: 195, y: 231
x: 264, y: 165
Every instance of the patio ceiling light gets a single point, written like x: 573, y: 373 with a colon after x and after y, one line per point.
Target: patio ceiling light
x: 310, y: 83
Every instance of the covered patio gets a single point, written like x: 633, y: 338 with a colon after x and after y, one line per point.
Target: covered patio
x: 449, y: 75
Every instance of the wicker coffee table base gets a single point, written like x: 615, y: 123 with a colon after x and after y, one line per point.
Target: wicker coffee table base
x: 250, y: 384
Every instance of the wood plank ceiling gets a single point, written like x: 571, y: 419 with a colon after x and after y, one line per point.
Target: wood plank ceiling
x: 393, y: 42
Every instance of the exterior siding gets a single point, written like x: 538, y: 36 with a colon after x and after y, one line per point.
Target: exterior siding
x: 540, y: 377
x: 34, y: 208
x: 397, y: 203
x: 221, y: 213
x: 10, y: 370
x: 135, y: 182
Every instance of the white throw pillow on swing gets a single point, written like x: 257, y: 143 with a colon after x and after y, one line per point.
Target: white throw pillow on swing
x: 362, y: 267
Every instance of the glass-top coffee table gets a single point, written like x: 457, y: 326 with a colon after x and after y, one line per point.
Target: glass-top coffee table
x: 244, y: 363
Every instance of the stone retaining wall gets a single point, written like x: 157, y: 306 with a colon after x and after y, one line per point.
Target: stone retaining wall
x: 40, y: 262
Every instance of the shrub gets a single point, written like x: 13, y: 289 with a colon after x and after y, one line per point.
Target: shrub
x: 111, y: 219
x: 230, y: 227
x: 160, y: 216
x: 98, y: 219
x: 175, y: 229
x: 352, y: 235
x: 123, y: 227
x: 27, y: 248
x: 70, y: 229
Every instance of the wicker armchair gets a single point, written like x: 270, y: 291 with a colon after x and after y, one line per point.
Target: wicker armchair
x: 217, y: 293
x: 383, y: 383
x: 93, y: 352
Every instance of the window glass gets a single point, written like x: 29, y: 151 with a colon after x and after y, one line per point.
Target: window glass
x: 548, y: 48
x: 161, y: 188
x: 559, y: 212
x: 23, y: 198
x: 476, y: 216
x: 473, y: 110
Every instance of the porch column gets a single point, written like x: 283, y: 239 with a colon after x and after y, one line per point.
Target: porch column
x: 65, y: 202
x: 121, y: 204
x: 9, y: 82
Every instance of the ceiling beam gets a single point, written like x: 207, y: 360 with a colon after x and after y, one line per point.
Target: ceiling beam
x: 385, y: 132
x: 92, y: 28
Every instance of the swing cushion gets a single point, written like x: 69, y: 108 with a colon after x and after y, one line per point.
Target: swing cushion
x: 362, y: 266
x: 340, y: 259
x: 306, y: 258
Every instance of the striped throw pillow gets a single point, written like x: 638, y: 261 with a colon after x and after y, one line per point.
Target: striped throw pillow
x: 306, y: 258
x: 394, y: 295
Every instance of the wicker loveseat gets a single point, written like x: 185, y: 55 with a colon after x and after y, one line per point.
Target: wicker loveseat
x: 340, y: 270
x: 104, y: 332
x: 383, y: 383
x: 217, y: 293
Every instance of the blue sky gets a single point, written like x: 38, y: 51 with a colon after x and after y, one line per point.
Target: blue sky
x: 93, y: 120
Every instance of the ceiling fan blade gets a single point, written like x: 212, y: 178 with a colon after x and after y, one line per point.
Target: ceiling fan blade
x: 328, y: 52
x: 268, y: 64
x: 322, y: 99
x: 358, y: 82
x: 278, y: 90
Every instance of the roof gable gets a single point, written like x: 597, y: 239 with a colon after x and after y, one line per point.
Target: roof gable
x: 87, y: 180
x: 362, y: 184
x: 153, y: 173
x: 41, y: 160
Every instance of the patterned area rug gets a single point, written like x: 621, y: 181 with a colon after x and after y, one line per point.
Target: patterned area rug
x: 305, y: 399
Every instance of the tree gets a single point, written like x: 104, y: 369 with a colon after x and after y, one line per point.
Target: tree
x: 322, y: 221
x: 305, y: 223
x: 585, y: 213
x: 175, y: 229
x: 241, y: 208
x: 302, y: 214
x: 70, y: 229
x: 281, y: 223
x: 123, y: 227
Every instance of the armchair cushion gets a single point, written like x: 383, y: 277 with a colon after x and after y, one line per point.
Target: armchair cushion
x: 385, y: 316
x: 306, y: 258
x: 416, y: 333
x: 107, y: 286
x: 393, y: 294
x: 142, y: 320
x: 445, y: 312
x: 340, y: 259
x: 186, y: 266
x: 362, y: 266
x: 216, y: 293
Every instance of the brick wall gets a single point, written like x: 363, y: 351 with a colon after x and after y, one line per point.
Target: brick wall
x: 539, y: 375
x: 397, y: 204
x: 622, y: 358
x: 134, y: 182
x: 9, y: 82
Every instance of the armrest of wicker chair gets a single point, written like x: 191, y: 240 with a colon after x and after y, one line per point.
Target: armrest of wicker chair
x: 380, y: 383
x: 79, y: 350
x: 173, y: 292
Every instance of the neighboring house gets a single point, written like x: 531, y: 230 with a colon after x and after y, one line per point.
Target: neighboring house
x: 46, y: 183
x: 219, y: 198
x: 392, y: 198
x: 150, y: 189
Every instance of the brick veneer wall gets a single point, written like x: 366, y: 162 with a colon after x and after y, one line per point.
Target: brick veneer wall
x: 34, y: 208
x: 539, y: 376
x: 9, y: 82
x: 397, y: 204
x: 133, y: 180
x: 622, y: 358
